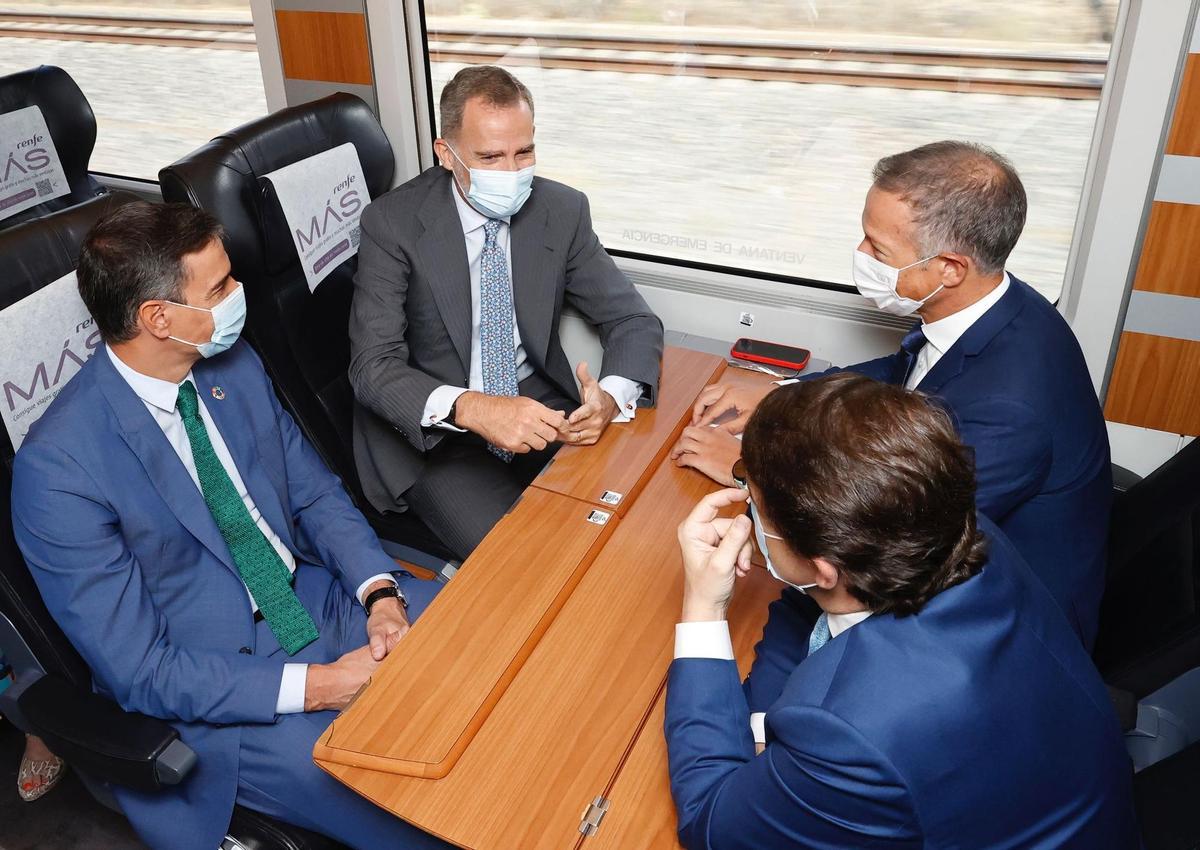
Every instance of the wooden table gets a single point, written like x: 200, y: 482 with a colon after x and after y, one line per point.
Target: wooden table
x: 534, y: 684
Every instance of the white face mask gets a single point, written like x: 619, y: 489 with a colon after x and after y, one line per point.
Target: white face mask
x: 876, y: 281
x: 228, y: 318
x: 497, y: 194
x: 760, y: 537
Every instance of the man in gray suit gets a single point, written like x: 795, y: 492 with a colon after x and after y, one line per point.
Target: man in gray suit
x: 463, y: 388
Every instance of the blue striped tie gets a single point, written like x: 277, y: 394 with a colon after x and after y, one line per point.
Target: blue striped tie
x: 820, y: 633
x: 498, y: 354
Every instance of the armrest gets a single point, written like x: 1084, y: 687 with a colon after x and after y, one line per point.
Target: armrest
x: 95, y: 735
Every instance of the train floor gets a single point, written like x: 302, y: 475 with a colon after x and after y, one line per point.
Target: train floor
x: 67, y: 818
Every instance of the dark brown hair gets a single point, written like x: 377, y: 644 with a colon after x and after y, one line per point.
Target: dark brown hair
x: 495, y: 85
x: 873, y: 478
x: 134, y: 255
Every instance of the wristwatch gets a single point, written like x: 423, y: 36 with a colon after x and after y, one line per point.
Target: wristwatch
x: 450, y: 420
x: 389, y: 592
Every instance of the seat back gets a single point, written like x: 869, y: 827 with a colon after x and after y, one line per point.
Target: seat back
x: 302, y: 336
x: 1150, y: 615
x: 72, y: 126
x: 33, y: 255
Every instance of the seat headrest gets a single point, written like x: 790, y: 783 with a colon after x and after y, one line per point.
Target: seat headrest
x: 40, y: 251
x: 222, y: 176
x: 69, y: 116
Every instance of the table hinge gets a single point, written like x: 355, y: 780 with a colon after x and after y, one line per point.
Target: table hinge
x: 593, y: 815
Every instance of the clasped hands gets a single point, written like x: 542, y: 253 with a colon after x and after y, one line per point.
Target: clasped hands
x: 332, y: 686
x: 521, y: 424
x: 711, y: 447
x: 716, y: 550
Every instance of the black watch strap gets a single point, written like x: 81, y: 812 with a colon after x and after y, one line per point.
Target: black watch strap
x: 389, y: 592
x: 450, y: 417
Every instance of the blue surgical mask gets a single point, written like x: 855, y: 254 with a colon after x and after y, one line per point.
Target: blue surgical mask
x: 228, y: 318
x: 497, y: 194
x: 760, y: 537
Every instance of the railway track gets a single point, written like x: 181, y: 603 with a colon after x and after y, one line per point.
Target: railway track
x: 1071, y: 76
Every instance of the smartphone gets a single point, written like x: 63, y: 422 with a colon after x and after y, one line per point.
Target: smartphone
x: 771, y: 353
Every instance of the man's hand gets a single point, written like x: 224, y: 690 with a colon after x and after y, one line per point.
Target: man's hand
x: 588, y: 422
x: 515, y: 423
x: 712, y: 451
x: 715, y: 550
x: 332, y: 686
x: 386, y: 624
x: 716, y: 400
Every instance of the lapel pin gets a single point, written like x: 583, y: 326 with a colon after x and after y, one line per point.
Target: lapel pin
x: 218, y: 393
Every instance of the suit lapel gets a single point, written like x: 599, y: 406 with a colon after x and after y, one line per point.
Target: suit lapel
x: 976, y: 338
x: 443, y: 251
x: 233, y: 419
x: 164, y: 468
x: 535, y: 285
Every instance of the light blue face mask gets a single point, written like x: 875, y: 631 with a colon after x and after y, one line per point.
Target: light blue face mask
x: 497, y: 194
x: 228, y: 318
x: 760, y: 537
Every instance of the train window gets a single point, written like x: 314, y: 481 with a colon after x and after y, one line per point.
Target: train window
x: 742, y: 135
x: 161, y: 80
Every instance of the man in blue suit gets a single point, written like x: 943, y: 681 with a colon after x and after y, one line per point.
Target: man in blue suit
x: 934, y: 696
x: 195, y: 549
x: 939, y: 223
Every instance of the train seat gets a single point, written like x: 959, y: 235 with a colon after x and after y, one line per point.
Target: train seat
x: 1149, y: 639
x: 301, y: 334
x: 72, y: 126
x: 51, y: 694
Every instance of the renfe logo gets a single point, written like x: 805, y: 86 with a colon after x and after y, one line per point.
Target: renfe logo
x: 35, y: 158
x: 344, y: 203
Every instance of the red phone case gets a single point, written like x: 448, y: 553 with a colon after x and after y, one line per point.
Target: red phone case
x: 770, y: 361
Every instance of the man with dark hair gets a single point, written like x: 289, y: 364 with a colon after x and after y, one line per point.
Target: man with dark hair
x: 939, y: 224
x: 933, y: 696
x: 196, y: 551
x: 463, y: 389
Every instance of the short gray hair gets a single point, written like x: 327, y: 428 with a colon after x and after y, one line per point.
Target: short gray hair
x: 965, y: 198
x: 495, y: 85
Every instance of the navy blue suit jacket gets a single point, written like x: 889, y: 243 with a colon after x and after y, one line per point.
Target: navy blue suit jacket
x: 1018, y: 389
x: 133, y: 567
x: 978, y: 722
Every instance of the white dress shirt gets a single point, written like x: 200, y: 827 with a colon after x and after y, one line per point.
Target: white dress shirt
x: 159, y: 397
x: 710, y: 639
x: 437, y: 407
x: 943, y: 333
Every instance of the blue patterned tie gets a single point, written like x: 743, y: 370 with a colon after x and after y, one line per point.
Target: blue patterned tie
x: 497, y: 354
x: 910, y: 346
x: 820, y: 633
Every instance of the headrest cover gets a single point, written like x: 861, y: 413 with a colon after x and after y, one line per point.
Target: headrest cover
x: 44, y: 339
x: 317, y: 203
x: 30, y: 171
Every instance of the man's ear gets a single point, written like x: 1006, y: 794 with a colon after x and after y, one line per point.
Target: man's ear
x: 152, y: 316
x: 445, y: 157
x: 955, y: 268
x: 827, y: 573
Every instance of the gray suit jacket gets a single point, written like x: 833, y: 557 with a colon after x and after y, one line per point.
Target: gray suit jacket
x: 410, y: 325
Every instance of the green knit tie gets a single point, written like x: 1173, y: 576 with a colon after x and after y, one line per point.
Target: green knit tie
x: 265, y: 574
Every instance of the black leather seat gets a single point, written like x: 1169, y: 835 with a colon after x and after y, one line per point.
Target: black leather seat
x: 301, y: 335
x: 72, y: 126
x: 51, y: 694
x: 1150, y: 616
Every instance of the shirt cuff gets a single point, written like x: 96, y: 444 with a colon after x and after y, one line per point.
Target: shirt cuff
x: 291, y: 689
x: 437, y: 408
x: 625, y: 393
x: 758, y: 726
x: 786, y: 381
x: 361, y: 593
x: 709, y: 639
